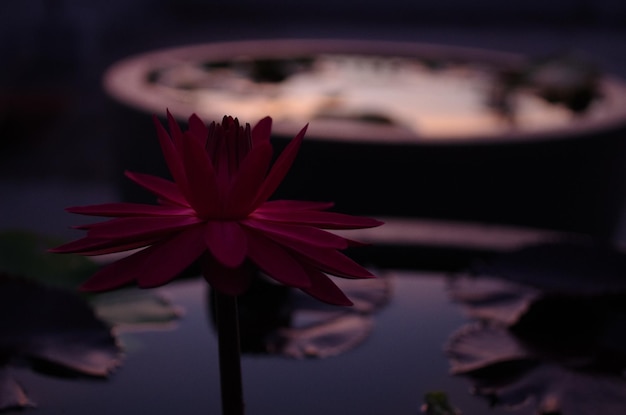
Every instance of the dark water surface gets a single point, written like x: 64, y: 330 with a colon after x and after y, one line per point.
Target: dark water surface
x: 175, y: 370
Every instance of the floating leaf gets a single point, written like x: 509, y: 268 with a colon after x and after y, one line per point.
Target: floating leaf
x: 12, y: 394
x: 545, y: 279
x: 135, y: 309
x: 437, y: 403
x: 25, y: 253
x: 480, y: 346
x: 492, y: 299
x: 53, y: 330
x: 320, y: 330
x: 368, y: 295
x: 552, y: 337
x: 524, y: 377
x: 331, y: 338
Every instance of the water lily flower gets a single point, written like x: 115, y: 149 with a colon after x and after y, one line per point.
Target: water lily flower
x: 216, y: 210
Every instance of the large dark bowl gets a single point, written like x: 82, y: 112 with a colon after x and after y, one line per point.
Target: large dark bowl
x: 568, y: 175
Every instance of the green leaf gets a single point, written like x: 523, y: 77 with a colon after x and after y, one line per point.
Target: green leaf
x: 25, y: 253
x: 436, y: 403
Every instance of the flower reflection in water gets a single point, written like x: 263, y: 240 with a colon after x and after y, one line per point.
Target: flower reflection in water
x: 551, y: 331
x: 51, y: 331
x: 277, y: 320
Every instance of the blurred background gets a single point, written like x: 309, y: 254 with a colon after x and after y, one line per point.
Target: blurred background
x: 56, y: 132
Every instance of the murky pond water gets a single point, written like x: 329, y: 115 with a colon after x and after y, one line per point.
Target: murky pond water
x: 175, y: 370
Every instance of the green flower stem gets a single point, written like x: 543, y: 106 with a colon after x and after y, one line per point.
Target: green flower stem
x: 229, y: 354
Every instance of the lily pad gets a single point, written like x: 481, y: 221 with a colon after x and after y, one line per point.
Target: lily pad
x: 12, y: 395
x: 437, y: 403
x: 54, y: 332
x: 492, y: 299
x: 527, y: 378
x: 330, y: 338
x: 479, y: 346
x: 25, y: 253
x: 551, y: 335
x: 132, y: 309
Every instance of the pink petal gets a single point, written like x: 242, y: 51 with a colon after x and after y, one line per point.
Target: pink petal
x: 239, y: 145
x: 304, y: 234
x: 325, y: 220
x: 231, y: 281
x: 276, y: 261
x: 248, y: 180
x: 174, y: 128
x: 141, y: 227
x: 198, y: 128
x: 262, y: 132
x: 227, y: 146
x: 152, y: 266
x: 100, y: 246
x: 170, y: 151
x: 200, y: 177
x: 162, y: 188
x: 129, y: 209
x: 170, y: 258
x: 227, y: 242
x: 280, y: 168
x: 324, y: 289
x: 117, y: 274
x: 329, y: 260
x: 222, y: 166
x: 213, y: 141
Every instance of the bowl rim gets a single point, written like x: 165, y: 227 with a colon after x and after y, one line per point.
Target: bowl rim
x: 126, y: 82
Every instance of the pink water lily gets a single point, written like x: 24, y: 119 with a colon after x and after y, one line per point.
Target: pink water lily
x: 216, y: 210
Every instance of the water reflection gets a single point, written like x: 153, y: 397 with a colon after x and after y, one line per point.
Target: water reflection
x: 367, y: 90
x: 566, y: 79
x: 277, y: 320
x: 344, y: 87
x: 550, y: 330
